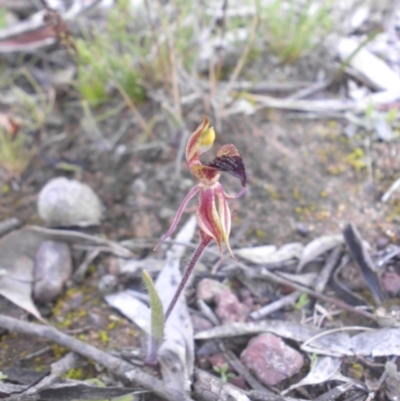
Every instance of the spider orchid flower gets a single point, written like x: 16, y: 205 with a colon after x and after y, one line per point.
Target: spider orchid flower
x: 213, y: 214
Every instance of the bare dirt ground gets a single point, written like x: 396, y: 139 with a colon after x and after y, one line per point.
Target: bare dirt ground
x: 306, y: 178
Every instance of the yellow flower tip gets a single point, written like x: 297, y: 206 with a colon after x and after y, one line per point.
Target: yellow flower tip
x: 207, y: 137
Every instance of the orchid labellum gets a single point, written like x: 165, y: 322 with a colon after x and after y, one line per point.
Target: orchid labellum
x: 213, y: 214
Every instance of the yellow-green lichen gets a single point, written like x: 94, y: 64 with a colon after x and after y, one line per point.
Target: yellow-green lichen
x: 356, y: 159
x: 58, y: 351
x: 260, y: 234
x: 356, y: 370
x: 74, y: 374
x: 102, y: 335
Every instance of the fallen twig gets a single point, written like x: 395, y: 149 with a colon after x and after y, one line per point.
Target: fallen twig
x: 115, y: 365
x: 390, y: 191
x: 57, y: 369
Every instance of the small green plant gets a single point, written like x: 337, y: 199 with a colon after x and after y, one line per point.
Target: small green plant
x: 302, y: 301
x: 157, y: 320
x: 293, y: 29
x: 313, y: 360
x: 106, y: 58
x: 223, y: 372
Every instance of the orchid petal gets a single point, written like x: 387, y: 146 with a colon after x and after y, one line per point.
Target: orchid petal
x: 193, y: 192
x: 200, y: 141
x: 228, y: 159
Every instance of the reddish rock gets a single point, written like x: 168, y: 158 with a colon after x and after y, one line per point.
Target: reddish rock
x: 218, y: 360
x: 270, y: 359
x: 238, y: 381
x: 246, y: 297
x: 207, y: 289
x: 229, y: 309
x: 391, y: 283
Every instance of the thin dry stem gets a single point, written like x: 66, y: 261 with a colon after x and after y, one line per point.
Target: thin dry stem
x: 142, y: 122
x: 154, y: 38
x: 243, y: 58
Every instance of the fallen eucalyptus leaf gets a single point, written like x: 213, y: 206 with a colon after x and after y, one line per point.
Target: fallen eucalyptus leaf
x: 16, y: 285
x: 257, y: 254
x: 318, y: 247
x: 392, y: 382
x: 135, y: 310
x: 269, y: 254
x: 364, y: 261
x: 324, y: 368
x: 176, y: 354
x: 335, y: 393
x: 375, y: 70
x: 306, y: 279
x: 375, y: 343
x: 281, y: 328
x: 134, y: 267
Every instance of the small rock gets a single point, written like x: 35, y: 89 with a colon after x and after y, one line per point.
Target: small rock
x: 107, y: 284
x: 200, y: 323
x: 229, y: 309
x: 270, y: 359
x: 66, y: 203
x: 302, y: 229
x: 391, y: 283
x: 382, y: 242
x: 53, y: 267
x: 207, y: 289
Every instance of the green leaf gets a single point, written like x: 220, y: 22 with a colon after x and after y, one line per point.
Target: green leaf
x: 302, y: 302
x: 157, y: 312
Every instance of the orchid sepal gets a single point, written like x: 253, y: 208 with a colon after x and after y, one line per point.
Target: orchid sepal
x: 192, y: 193
x: 238, y: 195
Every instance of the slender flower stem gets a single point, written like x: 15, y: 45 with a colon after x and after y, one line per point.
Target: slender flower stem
x: 191, y: 265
